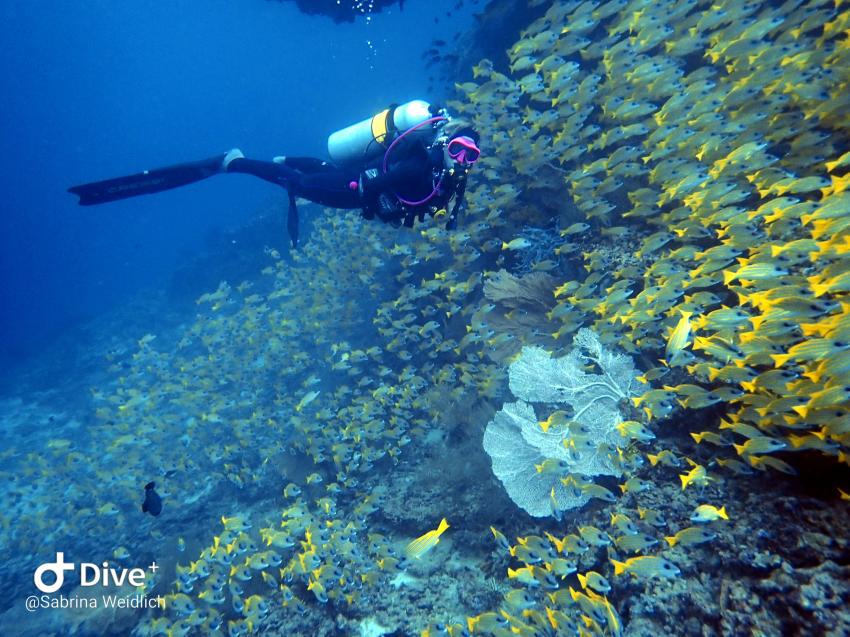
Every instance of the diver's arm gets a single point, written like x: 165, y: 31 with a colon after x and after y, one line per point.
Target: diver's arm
x: 458, y: 207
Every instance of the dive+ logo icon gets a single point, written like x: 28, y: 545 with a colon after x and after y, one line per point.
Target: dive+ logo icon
x: 58, y: 569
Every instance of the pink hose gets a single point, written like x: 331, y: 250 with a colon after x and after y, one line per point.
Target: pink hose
x: 387, y: 154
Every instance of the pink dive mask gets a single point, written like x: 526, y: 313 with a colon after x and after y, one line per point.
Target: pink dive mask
x: 463, y: 150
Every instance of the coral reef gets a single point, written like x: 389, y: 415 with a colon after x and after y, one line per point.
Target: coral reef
x: 689, y: 163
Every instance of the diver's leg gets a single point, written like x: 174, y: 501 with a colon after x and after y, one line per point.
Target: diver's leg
x: 149, y: 181
x: 307, y: 164
x: 336, y: 189
x: 327, y: 186
x: 279, y: 174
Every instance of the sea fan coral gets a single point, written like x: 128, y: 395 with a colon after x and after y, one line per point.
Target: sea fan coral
x: 520, y: 310
x: 530, y: 458
x: 533, y: 290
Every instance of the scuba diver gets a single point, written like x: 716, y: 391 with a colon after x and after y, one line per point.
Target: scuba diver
x: 406, y: 162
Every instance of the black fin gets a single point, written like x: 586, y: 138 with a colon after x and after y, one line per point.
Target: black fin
x: 147, y: 182
x: 150, y: 485
x: 292, y: 220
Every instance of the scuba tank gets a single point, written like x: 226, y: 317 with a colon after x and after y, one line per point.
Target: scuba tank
x: 368, y: 140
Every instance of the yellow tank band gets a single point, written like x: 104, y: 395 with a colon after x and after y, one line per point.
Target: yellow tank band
x: 379, y: 126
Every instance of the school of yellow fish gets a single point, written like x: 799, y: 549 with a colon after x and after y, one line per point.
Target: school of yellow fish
x: 729, y: 176
x: 707, y: 143
x: 692, y: 155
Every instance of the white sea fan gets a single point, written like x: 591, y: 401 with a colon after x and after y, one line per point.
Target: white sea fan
x: 515, y: 448
x: 592, y: 381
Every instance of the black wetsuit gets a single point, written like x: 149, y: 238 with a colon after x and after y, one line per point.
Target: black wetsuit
x: 413, y: 173
x: 305, y: 177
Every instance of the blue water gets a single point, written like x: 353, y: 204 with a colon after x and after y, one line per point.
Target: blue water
x: 97, y: 89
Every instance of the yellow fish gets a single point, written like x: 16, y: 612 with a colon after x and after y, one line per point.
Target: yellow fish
x: 844, y: 160
x: 595, y: 581
x: 524, y: 575
x: 678, y: 338
x: 421, y: 545
x: 697, y: 475
x: 501, y: 540
x: 760, y: 445
x: 691, y: 535
x: 594, y: 536
x: 309, y: 397
x: 707, y: 513
x: 556, y: 418
x: 121, y: 553
x: 635, y: 485
x: 665, y: 457
x: 576, y: 228
x: 108, y: 509
x: 623, y: 524
x: 314, y: 478
x: 519, y: 243
x: 646, y: 566
x: 635, y: 543
x: 762, y: 462
x: 552, y: 466
x: 635, y: 430
x: 518, y: 599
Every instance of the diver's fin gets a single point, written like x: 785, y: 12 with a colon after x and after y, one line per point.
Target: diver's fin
x: 451, y: 224
x: 147, y: 182
x: 292, y: 220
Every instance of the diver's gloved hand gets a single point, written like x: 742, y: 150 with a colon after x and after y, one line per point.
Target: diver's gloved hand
x: 233, y: 153
x: 365, y: 177
x: 390, y: 210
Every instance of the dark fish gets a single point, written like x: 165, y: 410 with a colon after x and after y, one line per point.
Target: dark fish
x: 439, y: 42
x: 152, y: 503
